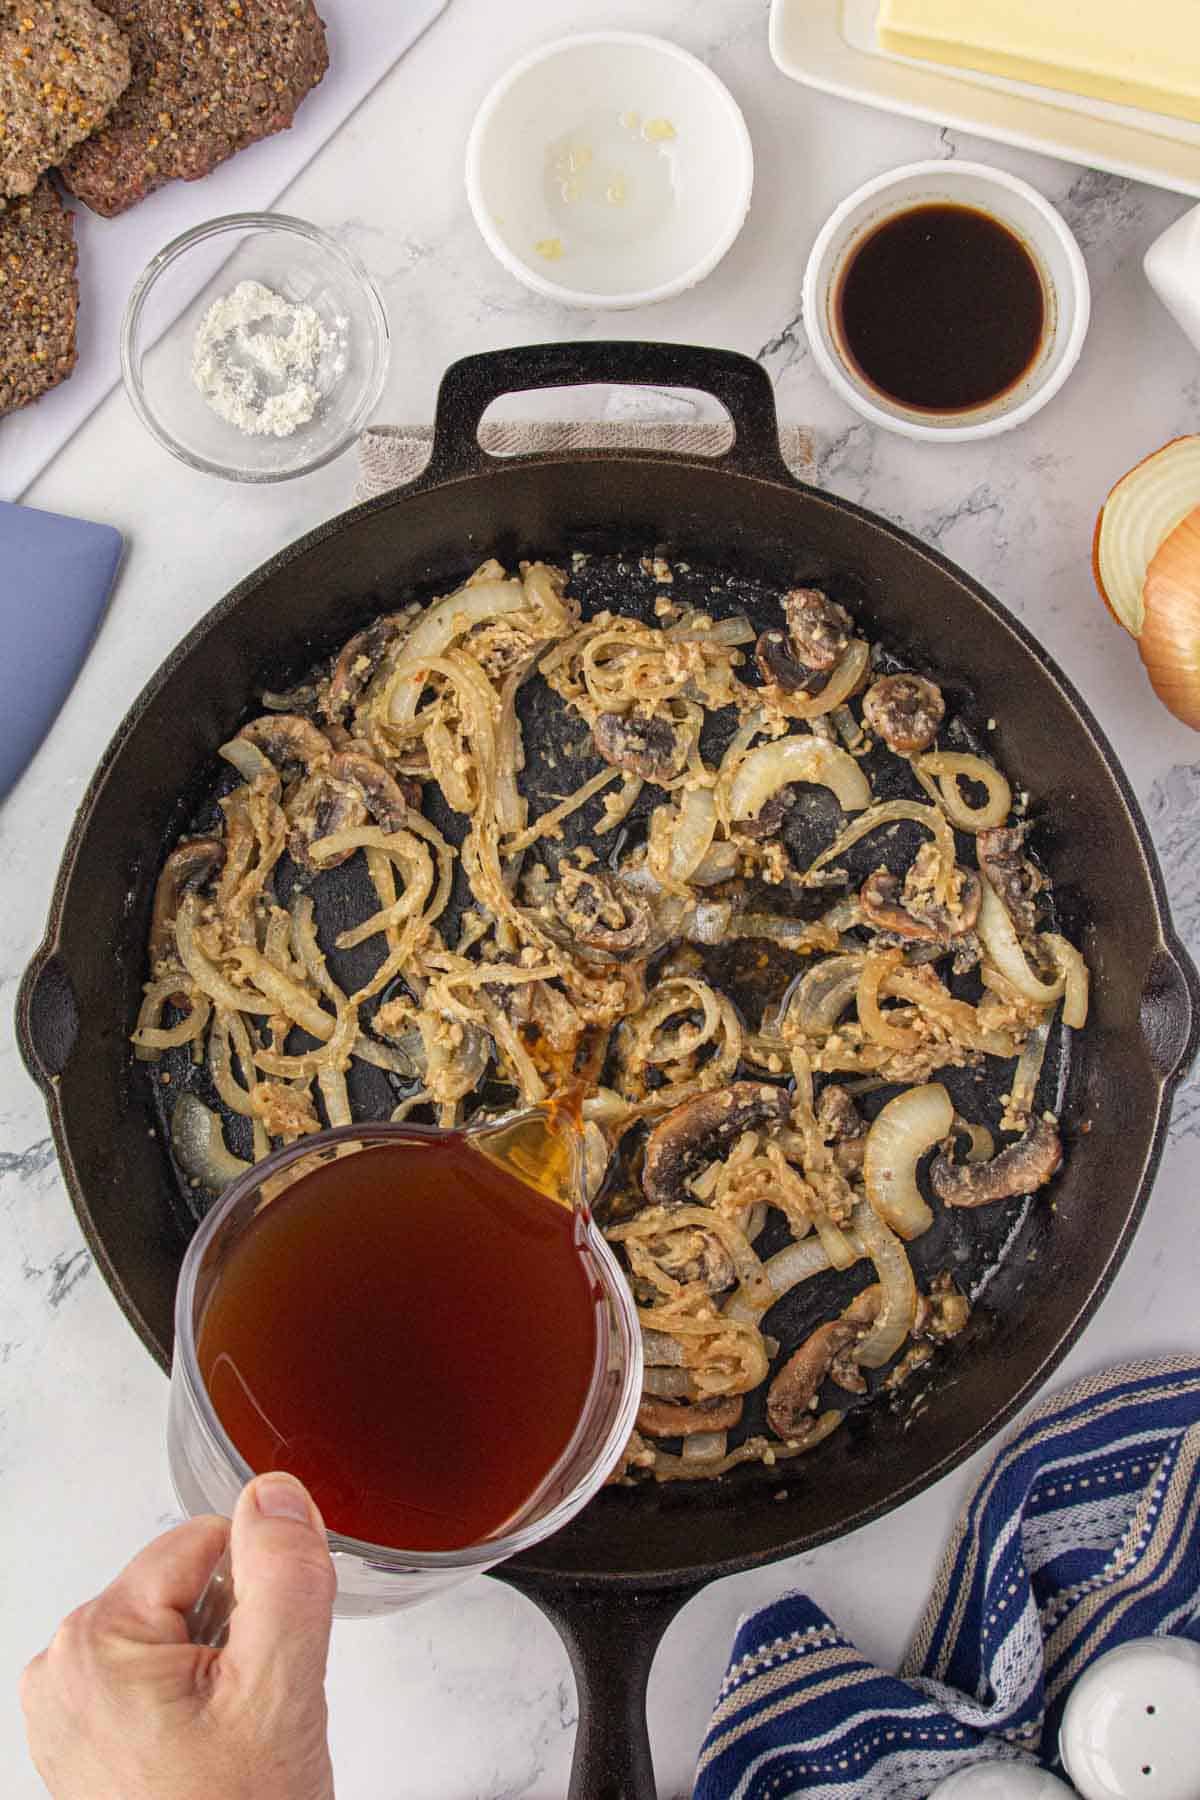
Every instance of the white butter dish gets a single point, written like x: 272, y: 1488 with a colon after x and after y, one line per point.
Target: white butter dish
x: 831, y: 45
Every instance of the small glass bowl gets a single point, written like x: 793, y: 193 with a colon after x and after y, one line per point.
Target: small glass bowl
x: 169, y: 302
x: 207, y: 1470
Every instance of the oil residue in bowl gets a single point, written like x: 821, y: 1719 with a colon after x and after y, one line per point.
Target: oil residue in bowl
x: 411, y: 1330
x: 941, y: 308
x: 610, y: 182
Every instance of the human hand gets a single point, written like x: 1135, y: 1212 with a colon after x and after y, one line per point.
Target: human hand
x: 122, y: 1707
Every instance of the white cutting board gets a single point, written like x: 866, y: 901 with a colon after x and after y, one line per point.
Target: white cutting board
x: 366, y: 37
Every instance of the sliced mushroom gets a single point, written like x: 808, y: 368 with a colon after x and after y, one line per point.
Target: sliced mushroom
x: 837, y: 1114
x: 818, y: 633
x: 1001, y: 856
x: 304, y: 699
x: 317, y: 807
x: 1020, y: 1169
x: 843, y: 1127
x: 910, y: 914
x: 879, y: 898
x: 905, y: 711
x: 672, y: 1419
x: 695, y: 1257
x: 600, y: 914
x: 770, y: 816
x: 385, y: 799
x: 942, y: 1312
x: 340, y: 797
x: 287, y: 740
x: 862, y: 1313
x: 820, y: 629
x: 921, y: 888
x: 698, y: 1129
x: 358, y: 662
x: 188, y: 866
x: 828, y: 1351
x: 779, y: 667
x: 637, y: 1454
x: 641, y: 746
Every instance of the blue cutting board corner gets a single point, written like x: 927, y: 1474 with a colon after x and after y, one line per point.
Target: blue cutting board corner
x: 56, y: 575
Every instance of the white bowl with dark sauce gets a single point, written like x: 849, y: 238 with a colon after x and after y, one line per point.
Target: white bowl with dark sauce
x: 946, y: 301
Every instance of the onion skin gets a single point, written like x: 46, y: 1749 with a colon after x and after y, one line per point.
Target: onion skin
x: 1170, y: 637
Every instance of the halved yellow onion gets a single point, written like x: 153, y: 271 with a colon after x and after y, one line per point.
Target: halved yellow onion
x: 1170, y: 636
x: 1140, y: 513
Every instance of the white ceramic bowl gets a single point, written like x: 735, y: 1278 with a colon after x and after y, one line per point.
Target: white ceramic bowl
x: 609, y: 170
x: 1041, y: 230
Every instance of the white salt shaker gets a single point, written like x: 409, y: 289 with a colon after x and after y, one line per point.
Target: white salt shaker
x: 1131, y: 1726
x: 1172, y: 265
x: 1000, y: 1781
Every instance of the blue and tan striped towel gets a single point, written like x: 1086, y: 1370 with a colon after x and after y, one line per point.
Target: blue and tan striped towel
x: 1084, y: 1532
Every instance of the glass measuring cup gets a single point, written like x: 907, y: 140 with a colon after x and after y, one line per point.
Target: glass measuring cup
x: 545, y: 1151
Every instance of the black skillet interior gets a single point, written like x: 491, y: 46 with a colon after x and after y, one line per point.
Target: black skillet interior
x: 745, y: 516
x: 559, y: 756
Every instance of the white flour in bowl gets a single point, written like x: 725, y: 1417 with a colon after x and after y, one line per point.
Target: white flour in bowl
x: 264, y: 363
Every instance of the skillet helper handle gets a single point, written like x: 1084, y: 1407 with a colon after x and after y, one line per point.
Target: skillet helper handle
x: 611, y: 1635
x: 47, y: 1017
x: 1169, y: 1011
x: 470, y: 385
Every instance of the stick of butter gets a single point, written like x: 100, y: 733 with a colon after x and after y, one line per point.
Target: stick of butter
x: 1134, y: 52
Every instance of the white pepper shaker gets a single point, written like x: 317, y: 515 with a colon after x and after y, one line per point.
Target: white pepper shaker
x: 1172, y: 265
x: 1001, y: 1781
x: 1131, y: 1727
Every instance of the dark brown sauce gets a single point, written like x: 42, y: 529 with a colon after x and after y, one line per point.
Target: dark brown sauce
x: 941, y: 308
x: 411, y: 1330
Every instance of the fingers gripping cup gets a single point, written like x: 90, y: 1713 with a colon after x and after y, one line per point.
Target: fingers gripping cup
x: 426, y: 1328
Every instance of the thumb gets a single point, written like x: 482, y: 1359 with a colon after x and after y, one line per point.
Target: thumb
x: 284, y: 1581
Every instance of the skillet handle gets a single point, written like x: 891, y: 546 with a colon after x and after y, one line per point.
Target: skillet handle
x: 1169, y: 1011
x: 470, y: 385
x: 47, y: 1017
x: 611, y: 1635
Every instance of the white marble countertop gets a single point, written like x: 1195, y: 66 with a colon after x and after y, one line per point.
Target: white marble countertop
x: 472, y: 1695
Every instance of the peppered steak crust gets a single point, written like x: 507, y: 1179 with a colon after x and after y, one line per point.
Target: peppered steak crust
x: 39, y: 296
x: 209, y: 78
x: 62, y: 65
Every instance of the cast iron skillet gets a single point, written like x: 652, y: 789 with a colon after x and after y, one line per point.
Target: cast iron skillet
x: 614, y: 1578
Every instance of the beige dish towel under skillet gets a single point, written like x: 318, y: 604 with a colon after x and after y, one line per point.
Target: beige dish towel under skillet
x: 390, y: 455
